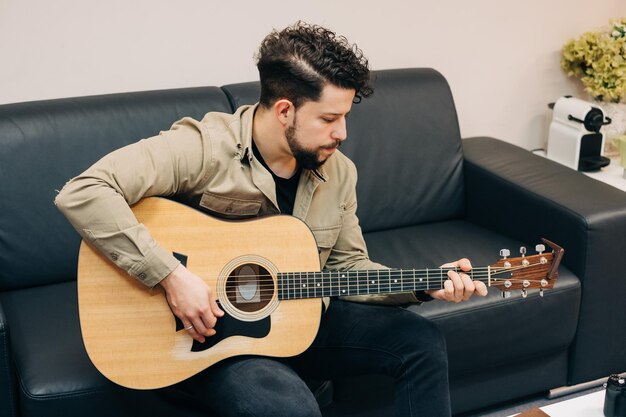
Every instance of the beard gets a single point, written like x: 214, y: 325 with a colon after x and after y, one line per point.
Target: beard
x: 306, y: 158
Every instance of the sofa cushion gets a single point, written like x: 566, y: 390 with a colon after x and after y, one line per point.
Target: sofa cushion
x: 526, y: 336
x: 56, y: 377
x: 46, y: 143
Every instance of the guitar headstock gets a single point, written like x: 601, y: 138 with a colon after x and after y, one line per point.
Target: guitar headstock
x: 527, y: 271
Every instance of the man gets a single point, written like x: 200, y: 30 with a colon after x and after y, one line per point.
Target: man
x: 277, y: 156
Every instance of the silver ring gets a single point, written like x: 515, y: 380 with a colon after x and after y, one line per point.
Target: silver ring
x: 190, y: 327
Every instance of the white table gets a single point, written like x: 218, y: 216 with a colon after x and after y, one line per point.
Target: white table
x: 590, y: 405
x: 613, y: 174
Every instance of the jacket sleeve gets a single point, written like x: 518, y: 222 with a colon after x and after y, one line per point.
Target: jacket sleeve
x: 97, y: 201
x: 350, y: 250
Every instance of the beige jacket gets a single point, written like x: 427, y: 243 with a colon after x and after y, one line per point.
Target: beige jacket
x: 210, y: 163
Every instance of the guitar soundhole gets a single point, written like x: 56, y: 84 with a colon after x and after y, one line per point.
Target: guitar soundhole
x: 249, y: 287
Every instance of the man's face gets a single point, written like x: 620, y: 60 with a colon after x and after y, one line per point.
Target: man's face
x: 319, y: 127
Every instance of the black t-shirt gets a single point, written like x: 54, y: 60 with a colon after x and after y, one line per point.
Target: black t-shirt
x: 285, y: 188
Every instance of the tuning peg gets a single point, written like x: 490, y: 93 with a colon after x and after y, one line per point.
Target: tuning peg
x: 504, y: 253
x: 524, y: 293
x: 522, y: 250
x: 540, y: 248
x: 506, y: 294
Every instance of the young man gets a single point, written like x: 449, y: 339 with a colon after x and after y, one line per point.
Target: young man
x: 277, y: 156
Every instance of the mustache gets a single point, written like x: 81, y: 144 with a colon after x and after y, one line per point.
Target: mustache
x: 334, y: 145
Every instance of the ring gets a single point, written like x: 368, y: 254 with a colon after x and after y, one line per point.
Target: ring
x: 190, y: 327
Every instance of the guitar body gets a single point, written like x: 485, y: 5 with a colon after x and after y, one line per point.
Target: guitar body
x: 132, y: 336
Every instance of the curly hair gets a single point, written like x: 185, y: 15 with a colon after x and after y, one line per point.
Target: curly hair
x: 296, y: 62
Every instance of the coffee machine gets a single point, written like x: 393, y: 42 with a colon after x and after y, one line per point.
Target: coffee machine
x: 575, y: 139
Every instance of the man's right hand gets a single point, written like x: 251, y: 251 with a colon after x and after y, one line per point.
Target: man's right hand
x: 192, y: 301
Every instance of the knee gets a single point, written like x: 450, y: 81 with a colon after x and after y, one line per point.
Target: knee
x: 426, y: 340
x: 279, y: 392
x: 298, y: 408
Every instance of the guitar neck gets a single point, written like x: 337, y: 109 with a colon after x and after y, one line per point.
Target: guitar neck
x: 299, y: 285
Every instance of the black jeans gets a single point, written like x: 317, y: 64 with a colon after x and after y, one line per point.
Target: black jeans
x: 354, y: 339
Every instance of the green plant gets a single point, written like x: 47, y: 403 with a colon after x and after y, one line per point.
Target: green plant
x: 599, y: 59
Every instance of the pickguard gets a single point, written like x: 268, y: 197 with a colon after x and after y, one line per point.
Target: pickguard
x: 226, y: 325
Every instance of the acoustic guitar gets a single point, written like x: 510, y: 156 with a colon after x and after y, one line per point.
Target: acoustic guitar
x: 267, y: 279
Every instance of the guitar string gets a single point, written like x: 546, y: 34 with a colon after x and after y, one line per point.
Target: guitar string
x: 295, y: 284
x: 393, y: 272
x: 435, y: 274
x: 417, y: 272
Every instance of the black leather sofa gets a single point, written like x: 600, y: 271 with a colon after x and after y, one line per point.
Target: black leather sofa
x: 425, y: 197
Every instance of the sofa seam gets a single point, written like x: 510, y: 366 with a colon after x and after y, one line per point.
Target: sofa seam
x: 12, y: 395
x: 45, y: 397
x: 490, y: 306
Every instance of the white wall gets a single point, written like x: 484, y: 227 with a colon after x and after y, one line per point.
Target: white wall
x: 501, y: 57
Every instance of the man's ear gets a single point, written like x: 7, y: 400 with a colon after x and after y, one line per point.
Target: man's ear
x: 284, y: 110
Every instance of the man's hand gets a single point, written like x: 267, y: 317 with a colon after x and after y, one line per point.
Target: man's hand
x: 192, y: 301
x: 459, y: 287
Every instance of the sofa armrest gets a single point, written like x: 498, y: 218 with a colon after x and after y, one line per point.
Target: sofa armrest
x: 8, y: 401
x: 515, y: 192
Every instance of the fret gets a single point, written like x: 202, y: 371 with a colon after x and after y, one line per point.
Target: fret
x: 326, y: 284
x: 281, y: 286
x: 361, y: 279
x: 343, y: 284
x: 395, y: 281
x: 318, y: 284
x: 297, y: 288
x: 310, y: 285
x: 353, y: 282
x: 306, y: 286
x: 441, y: 277
x: 297, y: 282
x: 427, y: 280
x: 371, y: 283
x: 384, y: 281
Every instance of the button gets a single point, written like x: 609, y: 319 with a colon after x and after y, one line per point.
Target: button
x: 229, y: 209
x: 115, y: 256
x: 142, y: 275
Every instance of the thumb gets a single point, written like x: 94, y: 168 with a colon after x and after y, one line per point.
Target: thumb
x: 215, y: 308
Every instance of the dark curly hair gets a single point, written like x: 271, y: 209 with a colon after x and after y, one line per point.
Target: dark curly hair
x: 298, y: 61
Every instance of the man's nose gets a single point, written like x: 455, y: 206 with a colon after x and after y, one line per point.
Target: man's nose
x: 340, y: 132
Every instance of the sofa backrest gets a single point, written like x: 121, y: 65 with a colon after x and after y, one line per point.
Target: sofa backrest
x: 406, y: 144
x: 43, y: 144
x: 404, y: 140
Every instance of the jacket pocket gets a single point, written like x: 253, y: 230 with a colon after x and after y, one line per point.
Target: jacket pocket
x: 326, y: 238
x: 228, y: 207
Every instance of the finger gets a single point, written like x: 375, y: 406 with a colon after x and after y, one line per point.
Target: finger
x: 481, y: 288
x: 193, y: 333
x: 200, y: 328
x: 215, y: 308
x: 464, y: 264
x: 458, y: 285
x: 448, y: 290
x: 209, y: 320
x: 468, y: 286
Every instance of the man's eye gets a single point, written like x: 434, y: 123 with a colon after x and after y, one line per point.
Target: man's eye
x: 328, y: 120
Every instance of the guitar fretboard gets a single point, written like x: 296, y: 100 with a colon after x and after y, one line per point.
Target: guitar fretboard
x: 299, y: 285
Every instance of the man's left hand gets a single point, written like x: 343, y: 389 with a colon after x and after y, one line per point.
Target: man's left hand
x: 459, y: 286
